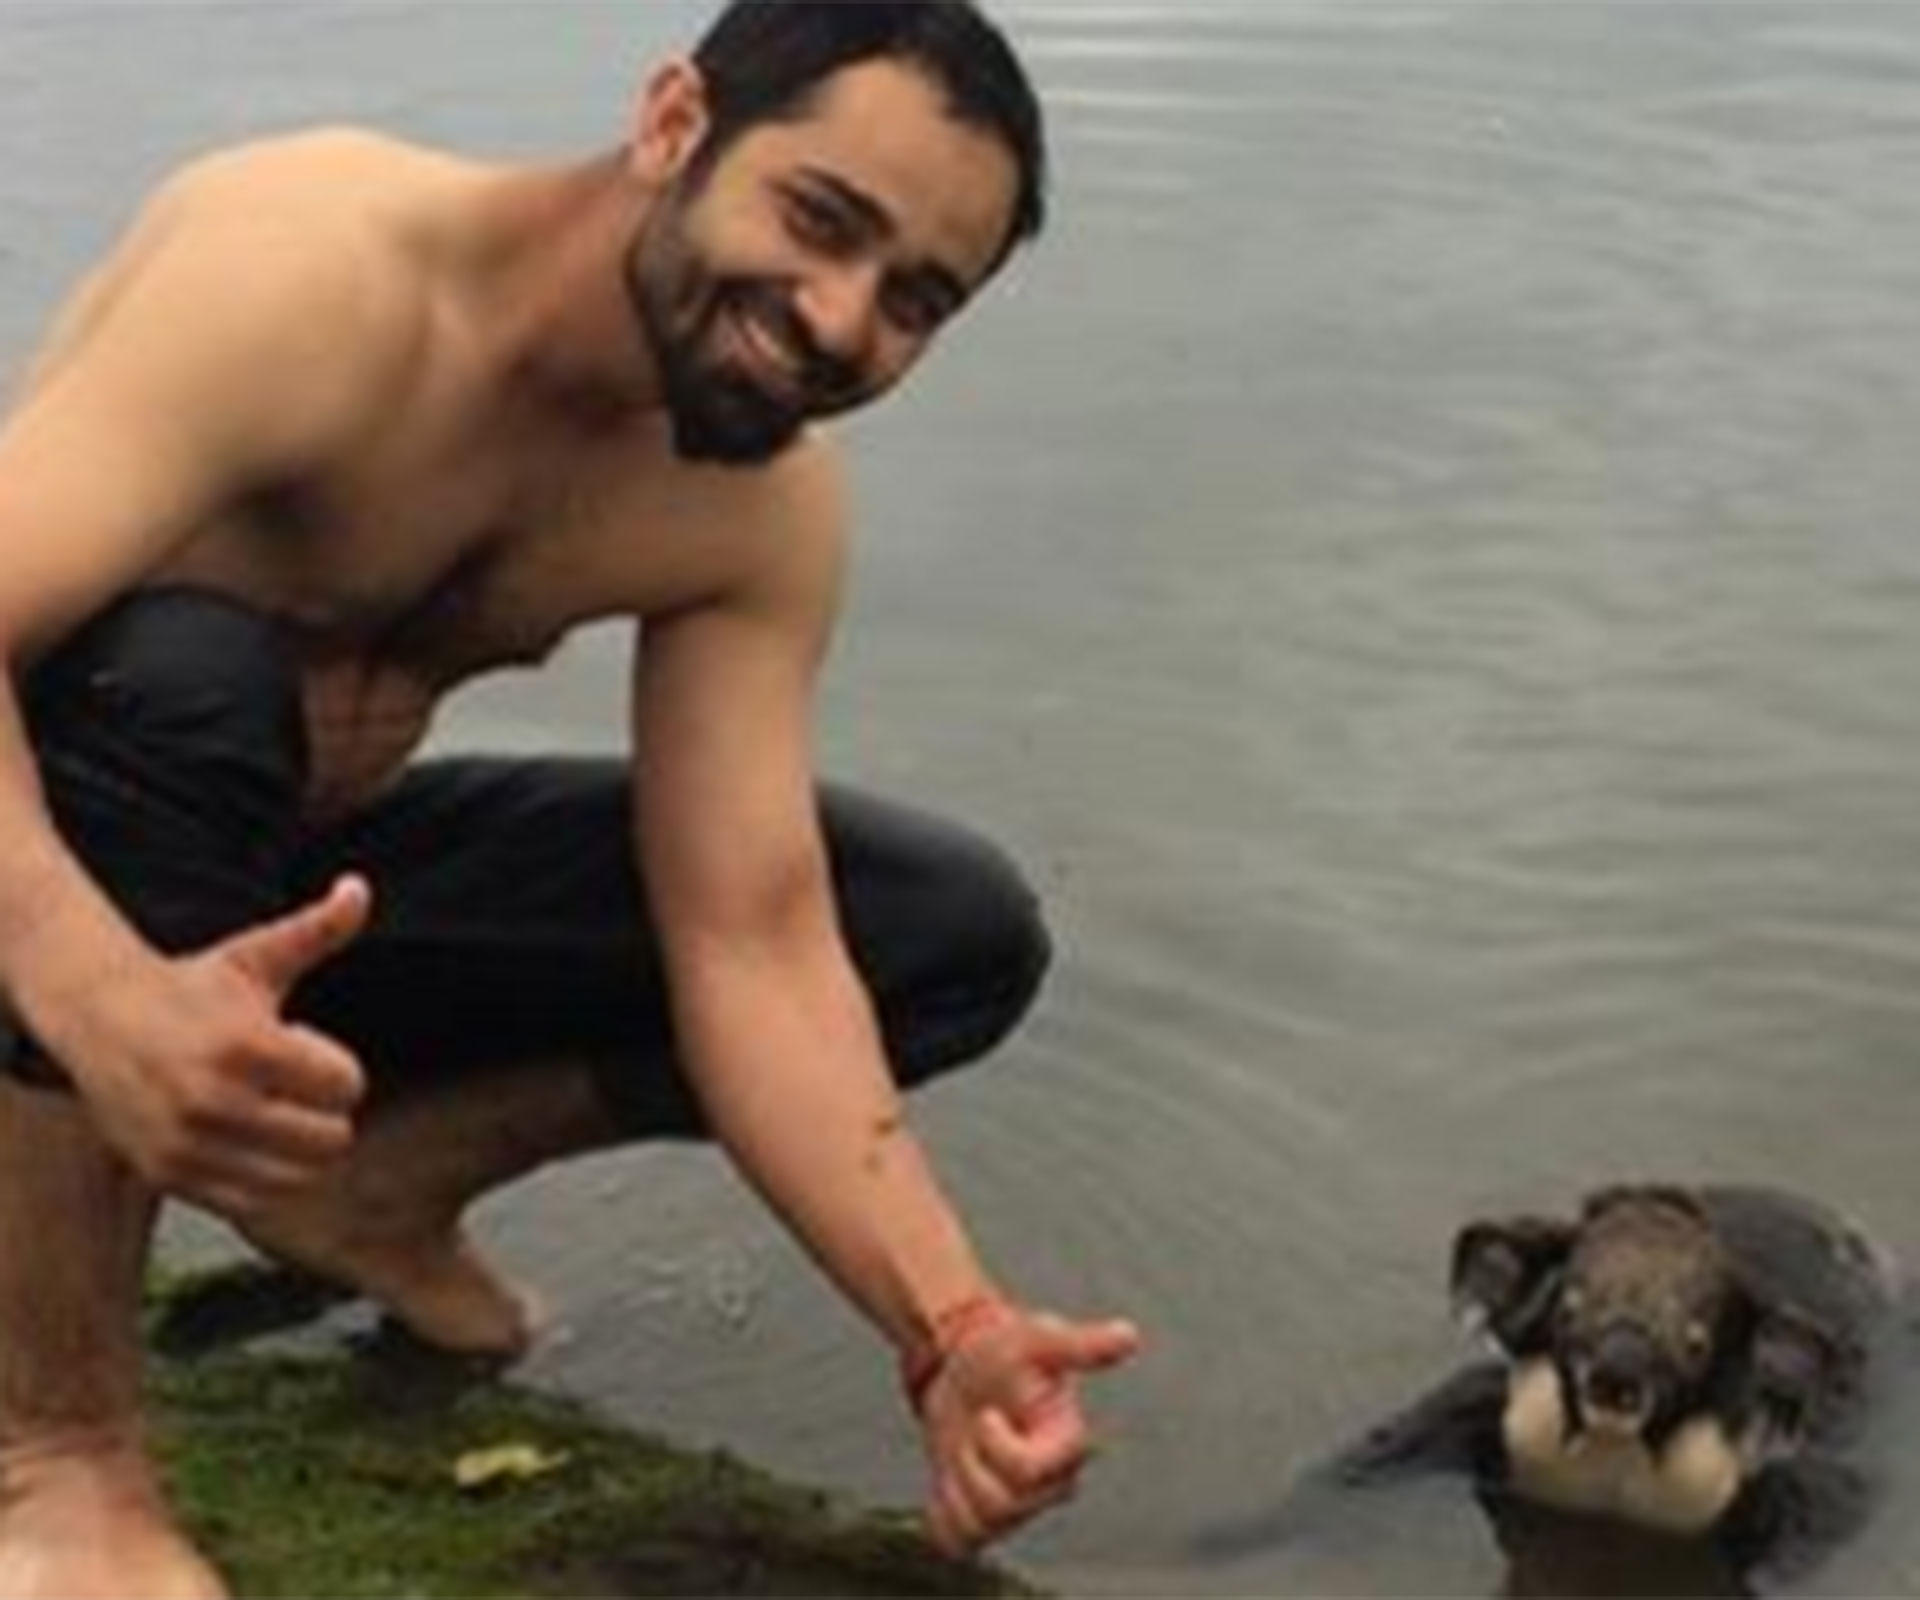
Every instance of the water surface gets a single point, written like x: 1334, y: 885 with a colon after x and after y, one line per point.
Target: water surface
x: 1420, y: 564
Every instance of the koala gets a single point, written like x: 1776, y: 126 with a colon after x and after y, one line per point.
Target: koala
x: 1676, y: 1373
x: 1649, y: 1378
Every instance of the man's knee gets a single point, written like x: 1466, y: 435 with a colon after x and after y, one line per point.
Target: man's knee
x: 947, y: 931
x: 996, y: 933
x: 1000, y: 952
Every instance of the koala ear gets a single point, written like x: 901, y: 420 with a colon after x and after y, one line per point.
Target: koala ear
x: 1506, y: 1274
x: 1791, y: 1363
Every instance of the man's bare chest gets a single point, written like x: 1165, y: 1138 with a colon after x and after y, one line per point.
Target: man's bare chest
x: 408, y: 577
x: 434, y: 560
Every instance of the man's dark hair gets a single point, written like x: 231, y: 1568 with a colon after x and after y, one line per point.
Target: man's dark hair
x: 763, y: 60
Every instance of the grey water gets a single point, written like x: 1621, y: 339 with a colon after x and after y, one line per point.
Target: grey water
x: 1421, y: 564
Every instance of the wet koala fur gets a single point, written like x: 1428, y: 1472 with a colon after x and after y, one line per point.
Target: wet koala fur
x: 1648, y: 1379
x: 1697, y: 1364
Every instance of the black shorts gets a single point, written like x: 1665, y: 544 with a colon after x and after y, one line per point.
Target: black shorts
x: 509, y: 920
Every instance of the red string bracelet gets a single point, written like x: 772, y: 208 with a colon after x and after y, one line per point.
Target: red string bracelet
x: 951, y: 1329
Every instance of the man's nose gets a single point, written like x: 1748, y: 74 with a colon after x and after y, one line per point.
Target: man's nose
x: 839, y: 308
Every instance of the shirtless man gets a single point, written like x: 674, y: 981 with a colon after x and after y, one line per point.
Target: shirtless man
x: 340, y: 425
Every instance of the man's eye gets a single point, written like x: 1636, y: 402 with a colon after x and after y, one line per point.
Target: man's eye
x: 913, y: 309
x: 818, y: 224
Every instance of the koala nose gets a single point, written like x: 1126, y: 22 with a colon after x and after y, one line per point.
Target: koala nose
x: 1624, y: 1369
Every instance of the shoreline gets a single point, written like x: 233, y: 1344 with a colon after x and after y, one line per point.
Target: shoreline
x: 376, y: 1468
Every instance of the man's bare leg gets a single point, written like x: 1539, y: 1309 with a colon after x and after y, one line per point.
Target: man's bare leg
x: 389, y: 1223
x: 81, y: 1513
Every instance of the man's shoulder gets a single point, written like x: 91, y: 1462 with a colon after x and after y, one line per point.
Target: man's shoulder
x: 308, y: 226
x: 335, y: 161
x: 244, y: 266
x: 340, y: 197
x: 802, y: 490
x: 805, y: 486
x: 725, y: 537
x: 791, y: 505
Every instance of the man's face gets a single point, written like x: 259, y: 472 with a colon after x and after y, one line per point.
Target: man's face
x: 806, y: 270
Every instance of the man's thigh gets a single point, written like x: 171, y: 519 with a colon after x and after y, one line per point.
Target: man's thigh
x: 508, y: 928
x: 511, y: 927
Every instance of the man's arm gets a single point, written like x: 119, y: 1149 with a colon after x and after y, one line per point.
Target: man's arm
x: 780, y: 1041
x: 216, y: 367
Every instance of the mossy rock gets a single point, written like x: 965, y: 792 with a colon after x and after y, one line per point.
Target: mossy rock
x: 339, y: 1473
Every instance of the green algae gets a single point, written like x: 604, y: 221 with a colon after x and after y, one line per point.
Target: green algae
x: 334, y: 1473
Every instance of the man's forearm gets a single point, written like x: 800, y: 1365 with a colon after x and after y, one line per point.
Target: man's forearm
x: 786, y: 1059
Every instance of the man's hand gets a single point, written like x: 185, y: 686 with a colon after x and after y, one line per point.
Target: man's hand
x: 1000, y: 1411
x: 201, y: 1084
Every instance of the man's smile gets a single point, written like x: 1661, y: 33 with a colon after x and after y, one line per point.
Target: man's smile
x: 776, y: 368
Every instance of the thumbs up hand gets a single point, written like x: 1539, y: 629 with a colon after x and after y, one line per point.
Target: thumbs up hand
x: 1000, y: 1412
x: 196, y: 1078
x: 278, y: 954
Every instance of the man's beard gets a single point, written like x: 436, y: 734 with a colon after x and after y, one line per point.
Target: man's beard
x: 719, y: 410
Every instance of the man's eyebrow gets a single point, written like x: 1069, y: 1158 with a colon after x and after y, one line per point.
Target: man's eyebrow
x: 873, y: 216
x: 876, y: 219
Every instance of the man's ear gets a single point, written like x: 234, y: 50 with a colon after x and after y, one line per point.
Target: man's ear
x: 1506, y: 1274
x: 670, y: 122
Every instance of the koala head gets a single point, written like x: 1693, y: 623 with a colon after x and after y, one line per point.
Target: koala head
x: 1642, y: 1313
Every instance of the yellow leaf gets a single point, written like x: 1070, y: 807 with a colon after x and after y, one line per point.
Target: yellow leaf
x: 481, y: 1469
